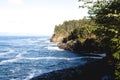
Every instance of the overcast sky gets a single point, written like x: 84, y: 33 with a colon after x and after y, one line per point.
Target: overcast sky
x: 36, y: 17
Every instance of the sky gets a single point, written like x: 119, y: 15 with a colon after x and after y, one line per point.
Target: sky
x: 36, y: 17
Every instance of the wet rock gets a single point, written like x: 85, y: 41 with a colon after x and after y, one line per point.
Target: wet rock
x: 70, y: 45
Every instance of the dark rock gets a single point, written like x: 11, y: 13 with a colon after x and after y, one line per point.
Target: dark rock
x: 91, y: 45
x: 62, y: 45
x: 64, y: 40
x: 70, y: 45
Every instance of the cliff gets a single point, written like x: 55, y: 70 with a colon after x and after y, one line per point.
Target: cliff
x: 76, y: 35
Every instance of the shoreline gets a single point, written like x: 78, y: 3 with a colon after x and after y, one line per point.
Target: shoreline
x: 96, y: 70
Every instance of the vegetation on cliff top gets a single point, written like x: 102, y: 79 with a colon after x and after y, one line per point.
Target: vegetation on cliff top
x: 75, y: 29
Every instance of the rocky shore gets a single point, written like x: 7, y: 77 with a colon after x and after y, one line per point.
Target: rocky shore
x: 97, y: 70
x: 88, y: 45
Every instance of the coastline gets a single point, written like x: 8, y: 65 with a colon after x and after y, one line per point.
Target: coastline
x: 96, y: 70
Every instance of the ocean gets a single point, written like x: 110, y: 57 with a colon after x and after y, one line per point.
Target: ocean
x: 22, y: 58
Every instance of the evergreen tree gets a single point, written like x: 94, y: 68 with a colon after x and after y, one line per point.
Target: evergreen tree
x: 106, y: 13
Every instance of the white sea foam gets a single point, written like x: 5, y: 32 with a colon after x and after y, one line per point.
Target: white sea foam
x: 13, y: 71
x: 54, y: 48
x: 31, y: 75
x: 53, y: 44
x: 53, y: 58
x: 8, y: 61
x: 47, y: 41
x: 62, y: 58
x: 8, y: 51
x: 46, y: 58
x: 93, y: 57
x: 18, y: 57
x: 102, y: 55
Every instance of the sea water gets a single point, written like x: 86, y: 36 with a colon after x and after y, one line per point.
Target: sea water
x: 22, y: 58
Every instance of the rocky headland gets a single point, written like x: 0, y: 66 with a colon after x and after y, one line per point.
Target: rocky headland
x: 76, y: 36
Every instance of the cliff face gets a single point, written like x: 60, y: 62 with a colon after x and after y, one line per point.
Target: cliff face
x: 55, y: 38
x: 89, y: 45
x: 62, y: 31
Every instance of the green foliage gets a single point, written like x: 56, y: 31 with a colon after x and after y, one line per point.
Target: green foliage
x: 106, y: 13
x: 116, y: 55
x: 117, y: 71
x: 76, y: 29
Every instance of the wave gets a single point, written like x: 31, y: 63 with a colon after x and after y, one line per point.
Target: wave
x: 62, y: 58
x: 6, y: 52
x: 92, y: 57
x: 46, y: 41
x: 18, y: 57
x: 54, y: 48
x: 53, y: 58
x: 102, y: 55
x: 30, y: 75
x: 8, y: 61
